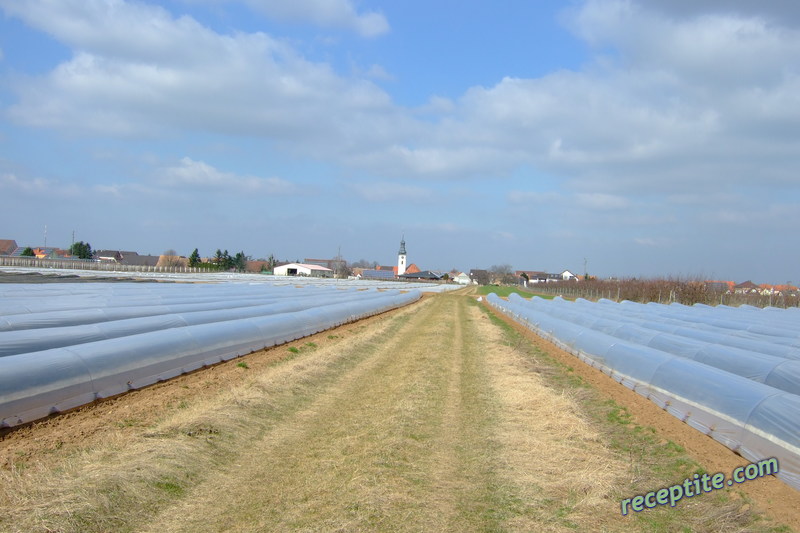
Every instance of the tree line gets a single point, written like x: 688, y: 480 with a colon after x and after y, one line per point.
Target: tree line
x: 221, y: 260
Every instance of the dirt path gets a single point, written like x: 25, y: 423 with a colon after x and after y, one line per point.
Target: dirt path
x: 406, y: 440
x: 430, y: 418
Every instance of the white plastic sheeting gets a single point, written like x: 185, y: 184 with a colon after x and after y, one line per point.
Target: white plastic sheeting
x: 227, y: 277
x: 625, y: 323
x: 740, y: 393
x: 64, y: 345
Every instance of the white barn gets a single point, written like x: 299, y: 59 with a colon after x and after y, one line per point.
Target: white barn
x: 302, y: 269
x: 462, y: 279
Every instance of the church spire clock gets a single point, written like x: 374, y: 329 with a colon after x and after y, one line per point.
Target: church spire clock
x: 401, y: 257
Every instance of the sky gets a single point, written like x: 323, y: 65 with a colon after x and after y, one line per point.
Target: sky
x: 656, y: 138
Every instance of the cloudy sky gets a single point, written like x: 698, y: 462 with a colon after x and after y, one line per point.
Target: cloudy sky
x: 657, y: 138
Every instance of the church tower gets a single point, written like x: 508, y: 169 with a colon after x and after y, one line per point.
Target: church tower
x: 401, y: 257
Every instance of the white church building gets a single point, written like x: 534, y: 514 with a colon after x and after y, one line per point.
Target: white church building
x: 401, y: 257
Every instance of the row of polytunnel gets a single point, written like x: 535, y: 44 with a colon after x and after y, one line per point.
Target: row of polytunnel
x: 731, y: 372
x: 237, y: 277
x: 65, y: 345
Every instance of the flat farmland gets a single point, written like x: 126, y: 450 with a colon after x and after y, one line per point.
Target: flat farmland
x: 438, y: 416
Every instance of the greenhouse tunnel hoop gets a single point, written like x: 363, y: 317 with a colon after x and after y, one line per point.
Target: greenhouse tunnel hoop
x: 752, y: 418
x: 54, y: 379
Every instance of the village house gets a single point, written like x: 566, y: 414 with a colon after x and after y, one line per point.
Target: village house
x: 747, y: 287
x: 7, y: 246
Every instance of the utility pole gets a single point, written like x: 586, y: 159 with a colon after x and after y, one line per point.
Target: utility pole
x: 73, y: 241
x: 45, y: 235
x: 585, y: 271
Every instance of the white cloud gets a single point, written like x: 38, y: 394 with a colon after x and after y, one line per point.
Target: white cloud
x: 601, y: 201
x: 438, y: 105
x: 504, y: 236
x: 708, y: 49
x: 684, y: 104
x: 696, y: 104
x: 198, y: 175
x: 450, y: 227
x: 781, y: 12
x: 341, y: 14
x: 115, y: 190
x: 37, y: 186
x: 526, y: 197
x: 377, y: 72
x: 325, y: 13
x: 391, y: 192
x: 139, y: 71
x: 767, y: 219
x: 594, y: 201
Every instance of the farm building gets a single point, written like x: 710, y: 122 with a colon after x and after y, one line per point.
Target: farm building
x: 7, y: 246
x: 425, y: 274
x: 301, y: 269
x: 368, y: 273
x: 747, y: 287
x: 462, y: 279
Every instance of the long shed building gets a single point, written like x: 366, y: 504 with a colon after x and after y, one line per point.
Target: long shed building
x: 302, y: 269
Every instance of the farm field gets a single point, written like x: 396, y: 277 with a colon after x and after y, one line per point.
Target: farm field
x: 39, y: 275
x: 438, y: 416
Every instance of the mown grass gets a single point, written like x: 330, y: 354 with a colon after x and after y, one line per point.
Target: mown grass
x: 653, y: 462
x: 404, y: 443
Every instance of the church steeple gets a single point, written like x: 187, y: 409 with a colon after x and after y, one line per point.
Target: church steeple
x: 401, y: 257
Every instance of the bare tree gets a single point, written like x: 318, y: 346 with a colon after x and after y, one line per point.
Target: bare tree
x: 170, y: 258
x: 363, y: 263
x: 503, y: 274
x: 340, y: 268
x: 481, y: 277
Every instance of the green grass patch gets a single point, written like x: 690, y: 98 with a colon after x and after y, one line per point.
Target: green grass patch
x: 617, y: 414
x: 127, y: 422
x: 242, y: 364
x: 170, y: 487
x: 504, y: 291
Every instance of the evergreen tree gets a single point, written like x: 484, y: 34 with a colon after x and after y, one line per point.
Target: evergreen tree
x: 28, y: 252
x: 81, y: 250
x: 240, y: 262
x: 194, y: 259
